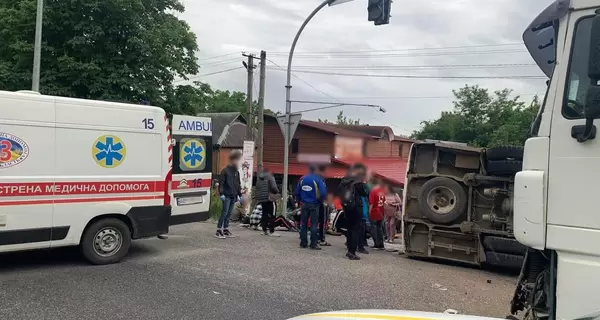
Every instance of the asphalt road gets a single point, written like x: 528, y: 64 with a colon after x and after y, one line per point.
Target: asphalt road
x: 193, y: 275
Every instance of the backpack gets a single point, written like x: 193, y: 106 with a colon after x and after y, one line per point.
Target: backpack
x: 348, y: 196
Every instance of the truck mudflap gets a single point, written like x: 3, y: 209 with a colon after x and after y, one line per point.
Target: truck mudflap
x: 149, y: 221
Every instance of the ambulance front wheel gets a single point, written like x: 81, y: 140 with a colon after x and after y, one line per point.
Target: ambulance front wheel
x: 106, y: 241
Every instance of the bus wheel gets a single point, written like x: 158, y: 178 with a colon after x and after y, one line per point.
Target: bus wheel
x: 106, y: 241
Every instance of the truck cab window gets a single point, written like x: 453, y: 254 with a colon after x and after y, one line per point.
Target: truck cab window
x: 578, y: 81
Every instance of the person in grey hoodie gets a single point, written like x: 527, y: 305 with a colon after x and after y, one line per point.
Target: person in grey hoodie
x: 266, y: 189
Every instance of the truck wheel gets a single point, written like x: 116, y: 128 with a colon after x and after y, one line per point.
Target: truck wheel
x: 504, y: 245
x: 106, y: 241
x: 504, y: 167
x: 442, y: 200
x: 505, y: 153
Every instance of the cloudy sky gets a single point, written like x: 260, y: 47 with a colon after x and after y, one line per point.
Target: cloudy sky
x: 435, y: 38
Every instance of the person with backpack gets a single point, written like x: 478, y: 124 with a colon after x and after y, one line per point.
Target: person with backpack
x: 265, y: 194
x: 352, y: 190
x: 311, y: 192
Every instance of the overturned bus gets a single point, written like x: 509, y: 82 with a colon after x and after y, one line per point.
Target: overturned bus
x: 458, y: 203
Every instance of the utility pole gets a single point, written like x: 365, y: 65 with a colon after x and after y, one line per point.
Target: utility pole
x: 261, y: 109
x: 250, y: 68
x: 37, y: 48
x: 288, y: 100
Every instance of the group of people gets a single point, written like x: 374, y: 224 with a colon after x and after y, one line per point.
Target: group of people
x: 234, y: 202
x: 362, y: 204
x: 365, y: 203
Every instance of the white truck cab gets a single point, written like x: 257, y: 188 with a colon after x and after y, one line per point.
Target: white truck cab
x: 80, y: 172
x: 192, y: 167
x: 555, y: 208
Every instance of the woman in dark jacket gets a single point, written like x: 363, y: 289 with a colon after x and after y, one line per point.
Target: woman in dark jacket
x: 264, y: 194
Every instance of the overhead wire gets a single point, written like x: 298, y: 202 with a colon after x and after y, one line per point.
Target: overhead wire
x: 418, y: 67
x: 218, y: 63
x: 327, y: 94
x: 301, y: 80
x: 417, y: 76
x: 401, y: 55
x: 420, y: 97
x: 407, y: 49
x: 207, y: 74
x: 219, y: 56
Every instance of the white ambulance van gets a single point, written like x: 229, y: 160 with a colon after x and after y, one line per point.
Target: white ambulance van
x: 80, y: 172
x: 192, y: 167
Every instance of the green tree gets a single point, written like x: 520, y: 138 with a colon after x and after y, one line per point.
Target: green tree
x: 117, y: 50
x: 482, y: 119
x: 343, y: 120
x: 114, y: 50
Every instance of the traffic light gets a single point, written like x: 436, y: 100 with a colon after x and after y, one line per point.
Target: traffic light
x: 379, y: 11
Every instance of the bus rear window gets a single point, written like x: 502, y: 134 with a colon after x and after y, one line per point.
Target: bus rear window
x: 192, y: 155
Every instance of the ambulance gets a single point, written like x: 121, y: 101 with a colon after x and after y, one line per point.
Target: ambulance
x: 82, y: 173
x: 192, y: 167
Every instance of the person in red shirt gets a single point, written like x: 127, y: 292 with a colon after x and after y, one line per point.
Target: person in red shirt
x: 376, y: 202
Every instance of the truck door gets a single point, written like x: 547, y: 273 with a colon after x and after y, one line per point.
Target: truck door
x: 573, y: 166
x: 573, y: 220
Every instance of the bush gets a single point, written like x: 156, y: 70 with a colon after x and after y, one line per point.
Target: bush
x: 216, y: 205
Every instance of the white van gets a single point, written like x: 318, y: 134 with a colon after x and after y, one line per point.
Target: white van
x: 81, y: 172
x: 192, y: 167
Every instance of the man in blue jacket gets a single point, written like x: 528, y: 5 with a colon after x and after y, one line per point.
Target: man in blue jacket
x: 311, y: 192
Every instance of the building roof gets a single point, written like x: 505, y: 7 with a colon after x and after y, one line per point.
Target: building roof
x: 335, y: 129
x: 221, y: 120
x: 234, y: 134
x: 300, y: 169
x: 403, y: 138
x: 356, y: 131
x: 390, y: 169
x: 376, y: 131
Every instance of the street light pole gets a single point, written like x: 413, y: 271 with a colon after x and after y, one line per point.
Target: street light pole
x: 37, y: 49
x: 288, y: 103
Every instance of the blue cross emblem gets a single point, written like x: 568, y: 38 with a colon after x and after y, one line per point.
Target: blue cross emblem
x: 109, y: 151
x: 193, y: 153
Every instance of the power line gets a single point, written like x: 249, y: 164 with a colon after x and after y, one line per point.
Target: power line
x: 219, y: 56
x: 412, y: 67
x: 401, y: 55
x: 328, y: 95
x: 421, y: 97
x: 408, y: 49
x: 416, y: 76
x: 207, y: 74
x: 219, y: 72
x: 218, y: 63
x: 300, y: 79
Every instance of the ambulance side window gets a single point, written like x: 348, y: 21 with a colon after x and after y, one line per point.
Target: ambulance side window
x: 192, y: 155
